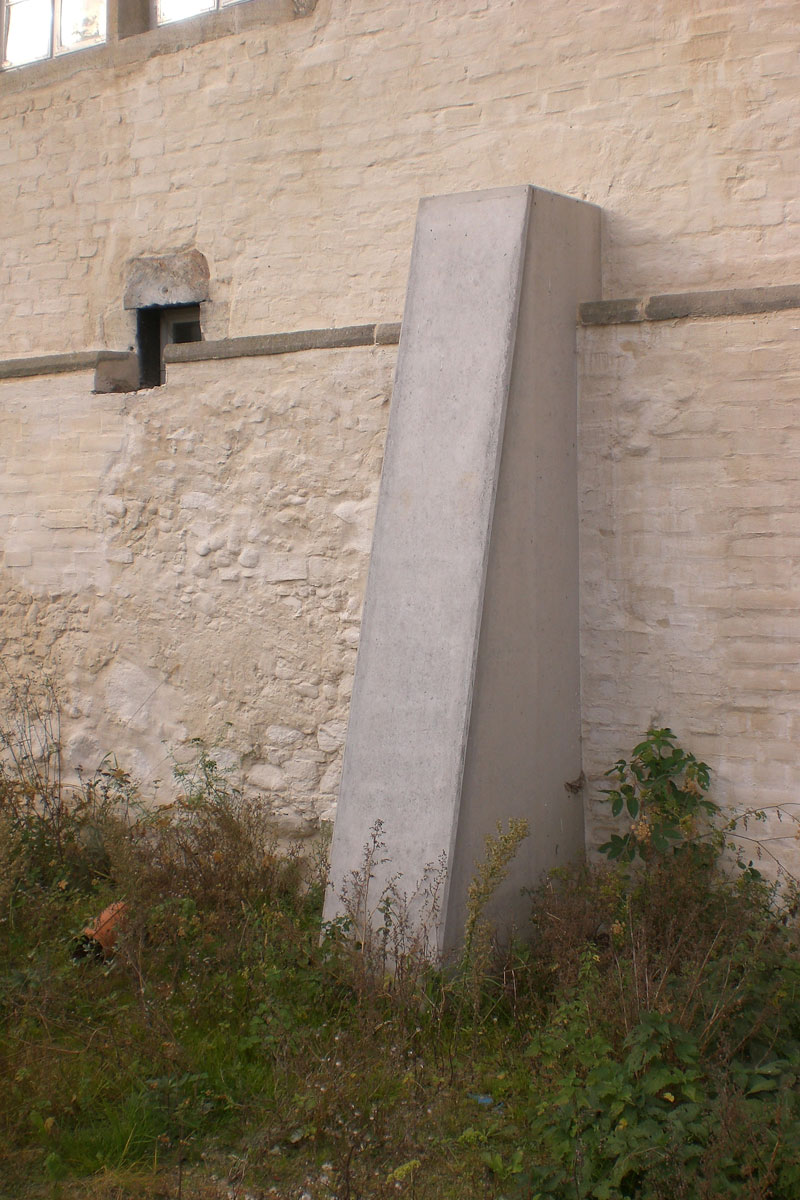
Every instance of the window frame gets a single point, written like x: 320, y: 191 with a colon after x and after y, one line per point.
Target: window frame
x: 113, y: 11
x: 215, y: 7
x: 132, y: 36
x: 55, y: 48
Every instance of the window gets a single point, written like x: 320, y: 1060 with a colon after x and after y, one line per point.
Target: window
x: 34, y: 30
x: 176, y: 10
x: 159, y: 327
x: 37, y: 29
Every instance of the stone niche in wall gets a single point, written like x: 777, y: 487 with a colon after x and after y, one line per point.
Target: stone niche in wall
x: 166, y: 292
x: 180, y: 278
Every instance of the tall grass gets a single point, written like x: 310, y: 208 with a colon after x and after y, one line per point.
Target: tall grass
x: 641, y: 1039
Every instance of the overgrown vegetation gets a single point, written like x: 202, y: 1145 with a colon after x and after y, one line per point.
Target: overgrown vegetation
x: 641, y: 1039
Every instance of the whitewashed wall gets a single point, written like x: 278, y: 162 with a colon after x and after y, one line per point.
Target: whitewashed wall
x: 191, y: 560
x: 690, y: 551
x: 293, y: 156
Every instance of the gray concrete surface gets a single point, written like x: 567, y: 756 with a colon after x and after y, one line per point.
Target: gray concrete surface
x: 465, y: 704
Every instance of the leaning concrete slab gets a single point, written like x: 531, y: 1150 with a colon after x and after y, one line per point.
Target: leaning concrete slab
x: 465, y: 708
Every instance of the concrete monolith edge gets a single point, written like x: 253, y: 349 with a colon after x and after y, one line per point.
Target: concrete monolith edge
x: 524, y: 746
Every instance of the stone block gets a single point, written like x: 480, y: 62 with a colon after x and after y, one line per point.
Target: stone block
x: 387, y: 334
x: 725, y: 303
x: 610, y: 312
x: 21, y: 557
x: 167, y: 279
x: 116, y: 373
x: 282, y: 568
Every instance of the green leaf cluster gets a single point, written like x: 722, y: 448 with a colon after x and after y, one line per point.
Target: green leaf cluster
x: 657, y: 1116
x: 661, y: 792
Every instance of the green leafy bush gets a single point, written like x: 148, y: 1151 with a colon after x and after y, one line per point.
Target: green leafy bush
x: 662, y: 789
x: 668, y: 1057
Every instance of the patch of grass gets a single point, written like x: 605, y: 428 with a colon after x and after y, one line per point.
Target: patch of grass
x: 643, y: 1040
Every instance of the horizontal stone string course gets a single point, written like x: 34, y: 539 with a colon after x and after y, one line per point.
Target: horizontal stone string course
x: 386, y: 334
x: 731, y: 302
x: 285, y: 343
x: 58, y: 364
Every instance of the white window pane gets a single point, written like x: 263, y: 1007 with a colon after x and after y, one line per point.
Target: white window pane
x: 29, y: 25
x: 176, y: 10
x: 82, y: 22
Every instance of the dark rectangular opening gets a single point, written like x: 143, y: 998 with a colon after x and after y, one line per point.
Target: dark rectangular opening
x: 158, y: 327
x: 148, y: 341
x: 186, y: 331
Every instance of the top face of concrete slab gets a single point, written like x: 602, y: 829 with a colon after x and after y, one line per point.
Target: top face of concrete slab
x: 488, y: 195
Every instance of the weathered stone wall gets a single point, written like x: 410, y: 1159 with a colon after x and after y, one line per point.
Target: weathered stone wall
x: 190, y: 561
x: 690, y: 556
x: 293, y: 156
